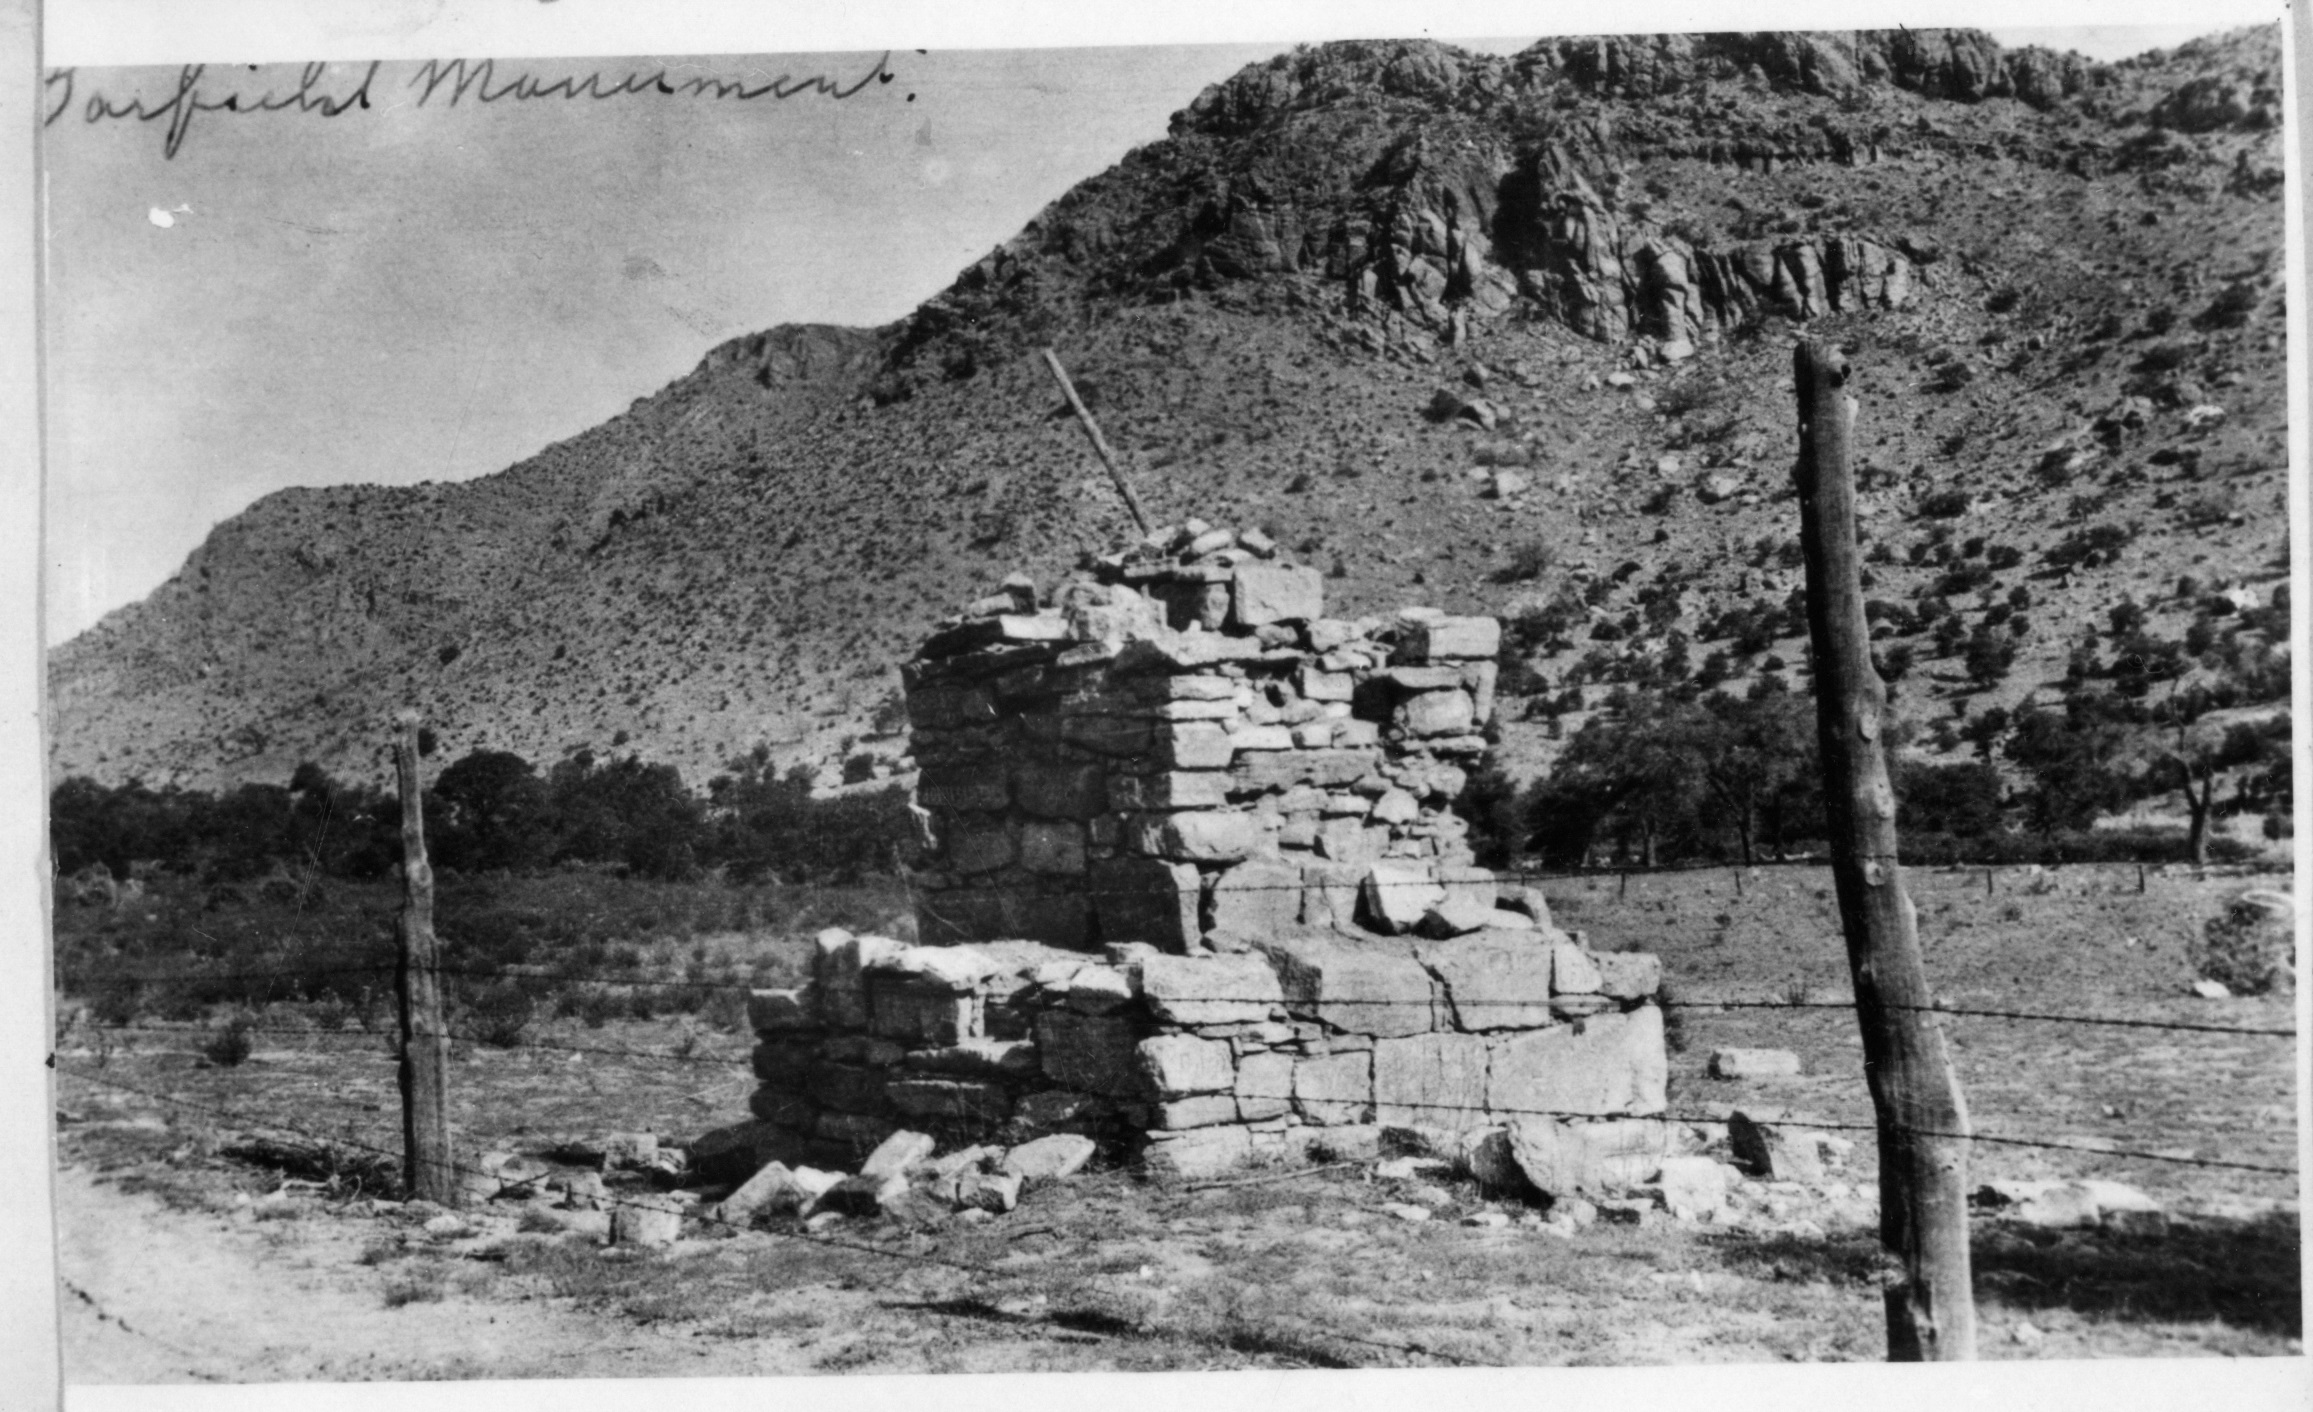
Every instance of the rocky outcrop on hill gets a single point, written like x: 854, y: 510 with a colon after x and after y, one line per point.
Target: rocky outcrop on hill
x: 1419, y: 181
x: 1605, y: 242
x: 1964, y: 66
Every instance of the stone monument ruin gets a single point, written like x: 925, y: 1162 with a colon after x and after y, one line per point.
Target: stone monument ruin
x: 1194, y: 886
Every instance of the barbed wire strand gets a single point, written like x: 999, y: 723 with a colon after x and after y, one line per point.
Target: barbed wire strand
x: 739, y: 987
x: 1514, y: 1111
x: 372, y: 1039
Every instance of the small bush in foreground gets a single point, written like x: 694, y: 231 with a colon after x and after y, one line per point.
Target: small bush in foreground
x: 229, y: 1047
x: 499, y: 1014
x: 2248, y: 949
x: 412, y: 1289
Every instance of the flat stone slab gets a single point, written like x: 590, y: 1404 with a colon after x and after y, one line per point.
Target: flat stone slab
x: 1448, y: 639
x: 1774, y: 1152
x: 1050, y: 1159
x: 1199, y: 1152
x: 1430, y: 1080
x: 1605, y: 1065
x: 1399, y: 892
x: 1271, y: 593
x: 1627, y: 975
x: 1561, y: 1158
x: 1373, y: 988
x: 1094, y: 1053
x: 1184, y: 1064
x: 897, y: 1153
x: 1493, y: 979
x: 1333, y: 1089
x: 1147, y: 899
x: 1264, y: 1086
x: 957, y: 1100
x: 1754, y: 1064
x: 1256, y: 898
x: 1209, y: 990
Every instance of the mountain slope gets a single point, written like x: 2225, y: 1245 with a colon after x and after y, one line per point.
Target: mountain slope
x: 1605, y: 243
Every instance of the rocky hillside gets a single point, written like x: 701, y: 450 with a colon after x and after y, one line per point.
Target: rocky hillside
x: 1524, y: 321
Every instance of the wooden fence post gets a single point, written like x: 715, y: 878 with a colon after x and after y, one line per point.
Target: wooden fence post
x: 425, y: 1058
x: 1922, y: 1119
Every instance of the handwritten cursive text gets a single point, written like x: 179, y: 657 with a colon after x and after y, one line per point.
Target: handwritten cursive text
x: 454, y: 80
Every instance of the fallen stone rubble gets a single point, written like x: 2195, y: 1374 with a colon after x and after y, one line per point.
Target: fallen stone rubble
x: 1526, y: 1175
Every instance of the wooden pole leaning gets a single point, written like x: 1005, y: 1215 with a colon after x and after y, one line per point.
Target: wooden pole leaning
x: 1084, y: 419
x: 1922, y: 1119
x: 427, y: 1168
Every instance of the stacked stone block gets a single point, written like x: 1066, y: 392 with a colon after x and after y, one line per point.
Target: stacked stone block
x: 1180, y: 748
x: 1194, y: 886
x: 1310, y: 1043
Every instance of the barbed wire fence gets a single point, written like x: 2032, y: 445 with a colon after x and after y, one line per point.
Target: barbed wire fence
x: 1065, y: 1317
x: 290, y: 981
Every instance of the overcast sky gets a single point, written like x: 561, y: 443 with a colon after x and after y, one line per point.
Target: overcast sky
x: 433, y: 292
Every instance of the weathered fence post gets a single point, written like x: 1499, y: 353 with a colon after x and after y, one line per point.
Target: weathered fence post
x: 425, y: 1056
x: 1922, y: 1119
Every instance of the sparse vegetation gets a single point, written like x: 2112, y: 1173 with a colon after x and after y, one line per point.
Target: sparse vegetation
x: 231, y: 1044
x: 815, y: 500
x: 2250, y: 948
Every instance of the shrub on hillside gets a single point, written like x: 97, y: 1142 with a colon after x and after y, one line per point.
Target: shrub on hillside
x: 2232, y: 306
x: 1529, y: 561
x: 1953, y: 376
x: 1991, y: 651
x: 2164, y: 358
x: 2086, y: 548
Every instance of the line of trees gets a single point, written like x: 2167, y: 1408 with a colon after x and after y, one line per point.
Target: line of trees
x: 489, y: 811
x: 1669, y: 767
x: 1656, y: 778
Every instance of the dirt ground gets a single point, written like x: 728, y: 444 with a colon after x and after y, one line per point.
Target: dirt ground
x: 185, y: 1264
x: 199, y: 1285
x: 155, y: 1294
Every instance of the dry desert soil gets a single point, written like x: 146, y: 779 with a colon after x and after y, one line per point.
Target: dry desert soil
x: 183, y: 1262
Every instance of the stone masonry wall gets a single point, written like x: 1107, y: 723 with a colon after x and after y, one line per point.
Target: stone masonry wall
x: 1310, y: 1044
x: 1196, y: 889
x: 1181, y: 749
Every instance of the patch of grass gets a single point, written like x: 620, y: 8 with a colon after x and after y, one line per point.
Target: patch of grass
x: 189, y: 950
x: 417, y: 1287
